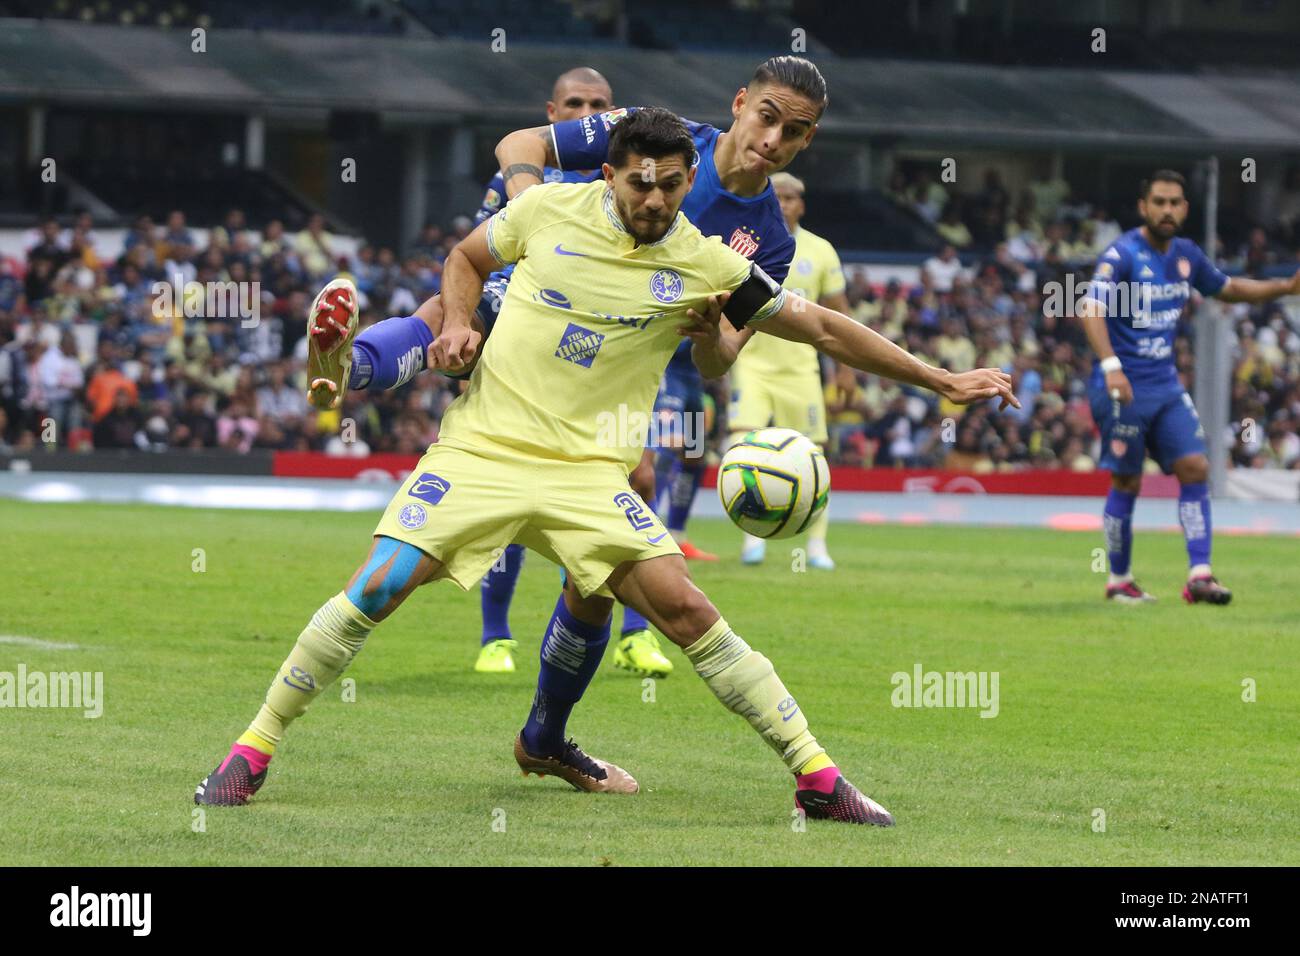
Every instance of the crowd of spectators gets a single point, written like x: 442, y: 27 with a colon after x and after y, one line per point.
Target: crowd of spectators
x: 94, y: 355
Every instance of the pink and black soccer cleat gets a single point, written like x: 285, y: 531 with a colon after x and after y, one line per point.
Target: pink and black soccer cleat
x: 1207, y: 590
x: 231, y: 784
x: 828, y: 795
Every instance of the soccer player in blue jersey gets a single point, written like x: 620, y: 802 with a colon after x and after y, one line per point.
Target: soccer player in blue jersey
x: 1138, y: 291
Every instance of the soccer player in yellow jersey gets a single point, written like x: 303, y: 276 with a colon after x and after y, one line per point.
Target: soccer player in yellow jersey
x: 779, y: 383
x: 608, y: 276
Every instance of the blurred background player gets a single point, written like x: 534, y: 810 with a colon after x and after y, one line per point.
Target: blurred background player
x: 1139, y: 289
x: 779, y: 383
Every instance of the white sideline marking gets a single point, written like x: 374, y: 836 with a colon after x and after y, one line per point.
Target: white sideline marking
x: 37, y: 642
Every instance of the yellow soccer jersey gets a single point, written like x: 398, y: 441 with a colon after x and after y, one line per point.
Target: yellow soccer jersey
x: 586, y: 328
x: 814, y: 274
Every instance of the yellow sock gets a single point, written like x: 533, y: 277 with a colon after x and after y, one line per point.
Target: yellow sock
x: 746, y: 683
x: 250, y: 739
x: 325, y: 647
x: 820, y: 762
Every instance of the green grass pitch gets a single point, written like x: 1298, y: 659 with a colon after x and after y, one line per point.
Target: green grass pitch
x: 1134, y: 713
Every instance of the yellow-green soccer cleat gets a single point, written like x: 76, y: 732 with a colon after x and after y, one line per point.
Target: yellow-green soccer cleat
x: 496, y: 658
x: 331, y: 327
x: 639, y: 653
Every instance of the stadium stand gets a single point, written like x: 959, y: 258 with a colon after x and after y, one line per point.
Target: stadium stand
x: 81, y: 346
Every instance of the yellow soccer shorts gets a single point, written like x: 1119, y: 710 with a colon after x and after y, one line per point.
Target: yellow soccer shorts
x: 781, y: 401
x: 464, y: 507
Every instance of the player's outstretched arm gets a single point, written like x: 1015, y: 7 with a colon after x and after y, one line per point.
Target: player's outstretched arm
x: 522, y: 154
x: 846, y: 341
x: 468, y: 265
x: 1238, y: 289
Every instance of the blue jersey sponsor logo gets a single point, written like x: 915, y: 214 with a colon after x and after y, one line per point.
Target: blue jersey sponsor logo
x: 666, y: 285
x: 554, y: 298
x: 412, y: 517
x: 579, y: 345
x: 430, y: 487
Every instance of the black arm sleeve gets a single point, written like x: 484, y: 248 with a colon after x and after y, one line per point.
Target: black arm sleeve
x: 754, y: 293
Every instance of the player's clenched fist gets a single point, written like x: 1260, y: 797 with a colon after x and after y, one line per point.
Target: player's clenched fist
x: 454, y: 349
x: 966, y: 387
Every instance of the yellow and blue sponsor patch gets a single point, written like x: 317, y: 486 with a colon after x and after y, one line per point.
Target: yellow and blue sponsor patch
x: 579, y: 345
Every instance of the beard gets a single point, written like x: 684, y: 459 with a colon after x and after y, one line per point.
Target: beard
x: 1163, y: 229
x: 642, y: 230
x: 646, y: 232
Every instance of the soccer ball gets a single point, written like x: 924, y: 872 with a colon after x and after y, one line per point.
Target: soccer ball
x: 773, y: 482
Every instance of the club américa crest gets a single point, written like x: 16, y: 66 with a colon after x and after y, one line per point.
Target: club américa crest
x: 666, y: 285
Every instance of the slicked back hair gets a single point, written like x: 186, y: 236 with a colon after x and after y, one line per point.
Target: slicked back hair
x: 794, y: 73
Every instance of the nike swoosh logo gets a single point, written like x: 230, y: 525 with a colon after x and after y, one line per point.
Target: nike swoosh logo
x: 561, y: 251
x: 657, y: 538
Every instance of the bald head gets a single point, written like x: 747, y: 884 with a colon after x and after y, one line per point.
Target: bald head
x: 579, y: 92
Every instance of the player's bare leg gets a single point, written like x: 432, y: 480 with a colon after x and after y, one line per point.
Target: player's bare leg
x: 1117, y: 522
x: 571, y: 651
x: 329, y: 642
x: 745, y: 682
x: 1193, y: 471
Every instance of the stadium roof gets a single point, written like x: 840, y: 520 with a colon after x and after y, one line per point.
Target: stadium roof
x: 431, y: 80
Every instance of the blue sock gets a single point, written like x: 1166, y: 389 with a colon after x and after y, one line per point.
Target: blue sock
x: 684, y: 487
x: 666, y: 465
x: 389, y: 353
x: 1194, y: 516
x: 633, y: 621
x: 1117, y: 520
x: 571, y: 652
x: 498, y: 590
